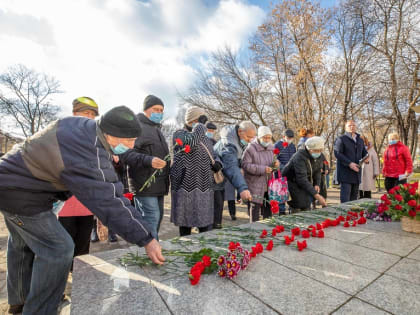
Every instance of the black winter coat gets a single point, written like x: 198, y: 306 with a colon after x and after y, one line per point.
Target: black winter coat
x: 303, y: 172
x: 153, y: 143
x: 347, y: 150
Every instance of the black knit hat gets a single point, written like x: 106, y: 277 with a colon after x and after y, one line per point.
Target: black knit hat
x: 211, y: 126
x: 150, y: 101
x: 289, y: 133
x: 120, y: 122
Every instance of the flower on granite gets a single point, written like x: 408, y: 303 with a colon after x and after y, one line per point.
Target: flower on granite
x: 253, y: 252
x: 207, y: 261
x: 221, y: 260
x: 263, y: 234
x: 340, y: 218
x: 259, y: 248
x: 313, y: 233
x: 194, y: 276
x: 362, y: 220
x: 318, y: 226
x: 232, y: 246
x: 301, y: 245
x: 235, y: 264
x: 354, y: 223
x: 232, y: 256
x: 222, y: 273
x: 269, y: 245
x: 228, y: 264
x: 362, y: 213
x: 346, y: 224
x: 280, y: 228
x: 274, y: 232
x: 320, y: 234
x: 296, y: 231
x: 287, y: 240
x: 232, y: 273
x: 348, y: 218
x: 305, y: 234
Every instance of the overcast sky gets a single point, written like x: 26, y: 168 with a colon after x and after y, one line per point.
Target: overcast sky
x: 119, y: 51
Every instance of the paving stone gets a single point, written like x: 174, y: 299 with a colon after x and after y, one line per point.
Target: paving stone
x: 287, y: 291
x: 356, y: 306
x: 391, y: 243
x: 393, y: 295
x: 406, y: 269
x: 415, y: 254
x: 213, y: 295
x: 338, y: 274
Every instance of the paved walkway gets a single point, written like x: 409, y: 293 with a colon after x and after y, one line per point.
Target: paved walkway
x: 168, y: 231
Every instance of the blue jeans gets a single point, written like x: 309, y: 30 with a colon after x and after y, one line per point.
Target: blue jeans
x: 348, y: 192
x: 151, y: 209
x: 39, y: 256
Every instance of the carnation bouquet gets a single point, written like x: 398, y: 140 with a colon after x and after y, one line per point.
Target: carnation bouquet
x: 401, y: 201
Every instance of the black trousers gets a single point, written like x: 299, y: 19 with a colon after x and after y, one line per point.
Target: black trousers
x: 232, y: 207
x: 79, y: 229
x: 264, y: 208
x: 391, y: 182
x: 365, y: 194
x: 185, y: 230
x: 219, y: 196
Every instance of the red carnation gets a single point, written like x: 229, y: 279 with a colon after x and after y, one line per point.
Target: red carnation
x: 269, y: 245
x: 391, y: 191
x: 406, y: 185
x: 292, y: 238
x: 412, y: 213
x: 206, y: 261
x: 354, y: 223
x: 326, y: 162
x: 284, y: 144
x: 412, y: 191
x: 178, y: 141
x: 305, y: 234
x: 396, y: 188
x: 320, y: 233
x: 398, y: 197
x: 279, y: 228
x: 346, y: 224
x: 187, y: 148
x: 318, y: 226
x: 276, y: 151
x: 412, y: 203
x: 259, y: 248
x: 361, y: 213
x: 313, y: 233
x: 263, y: 234
x: 340, y: 218
x: 232, y: 246
x: 384, y: 197
x: 274, y: 232
x: 301, y: 245
x: 274, y: 204
x: 254, y: 252
x: 287, y: 240
x: 348, y: 218
x: 194, y: 276
x: 398, y: 207
x: 362, y: 220
x: 295, y: 231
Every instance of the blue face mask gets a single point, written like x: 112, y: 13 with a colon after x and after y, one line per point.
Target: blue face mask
x: 264, y: 144
x: 244, y: 142
x: 120, y: 149
x: 316, y: 155
x: 209, y: 134
x: 391, y: 142
x: 156, y: 117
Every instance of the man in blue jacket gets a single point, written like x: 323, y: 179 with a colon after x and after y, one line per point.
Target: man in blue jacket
x: 71, y: 156
x: 349, y: 149
x: 233, y: 141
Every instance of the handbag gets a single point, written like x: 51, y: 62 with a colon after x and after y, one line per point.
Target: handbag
x: 278, y: 188
x: 218, y: 176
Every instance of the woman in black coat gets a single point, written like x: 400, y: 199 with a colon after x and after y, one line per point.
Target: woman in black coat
x: 303, y: 174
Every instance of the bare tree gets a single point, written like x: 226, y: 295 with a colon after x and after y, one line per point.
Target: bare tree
x: 26, y: 95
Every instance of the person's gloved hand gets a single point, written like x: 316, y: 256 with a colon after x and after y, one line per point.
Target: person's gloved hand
x: 202, y: 119
x: 217, y: 166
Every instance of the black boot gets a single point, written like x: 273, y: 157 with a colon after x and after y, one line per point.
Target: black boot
x: 15, y: 309
x: 112, y: 237
x: 94, y: 235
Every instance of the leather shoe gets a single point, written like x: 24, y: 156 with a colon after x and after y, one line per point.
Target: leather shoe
x: 15, y: 309
x: 112, y: 238
x: 233, y: 217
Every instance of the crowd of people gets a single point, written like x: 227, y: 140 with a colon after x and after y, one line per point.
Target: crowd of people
x: 91, y: 165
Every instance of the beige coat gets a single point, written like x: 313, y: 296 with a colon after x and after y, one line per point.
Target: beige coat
x: 369, y: 171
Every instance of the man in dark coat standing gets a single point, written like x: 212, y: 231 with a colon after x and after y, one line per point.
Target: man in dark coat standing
x: 149, y: 200
x: 349, y: 149
x: 70, y: 156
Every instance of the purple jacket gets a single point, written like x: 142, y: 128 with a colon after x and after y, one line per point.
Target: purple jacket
x: 255, y: 159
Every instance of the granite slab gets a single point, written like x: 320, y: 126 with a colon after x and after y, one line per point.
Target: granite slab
x: 356, y: 306
x: 393, y: 295
x: 287, y: 291
x: 391, y: 243
x: 415, y: 254
x: 354, y: 254
x: 133, y: 302
x: 335, y: 273
x: 213, y: 295
x: 406, y: 269
x: 390, y: 227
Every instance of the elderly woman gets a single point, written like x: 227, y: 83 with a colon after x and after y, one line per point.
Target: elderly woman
x: 397, y: 162
x: 303, y: 174
x: 370, y: 170
x: 257, y: 164
x: 192, y: 177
